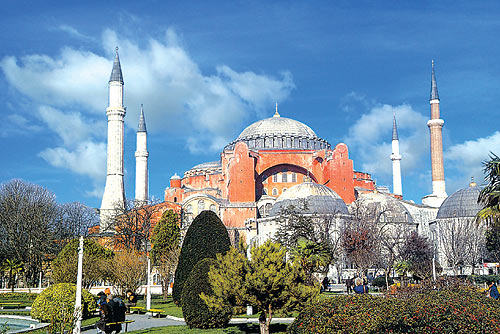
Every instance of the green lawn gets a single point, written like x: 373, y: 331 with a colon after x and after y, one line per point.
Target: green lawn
x: 168, y: 306
x: 233, y: 329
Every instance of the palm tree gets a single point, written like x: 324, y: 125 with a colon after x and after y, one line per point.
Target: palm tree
x: 489, y: 196
x: 13, y: 267
x: 312, y: 256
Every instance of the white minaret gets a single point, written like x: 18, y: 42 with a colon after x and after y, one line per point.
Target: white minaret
x: 114, y: 192
x: 435, y: 125
x: 141, y: 161
x: 397, y: 187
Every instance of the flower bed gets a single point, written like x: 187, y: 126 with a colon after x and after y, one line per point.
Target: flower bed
x: 456, y: 309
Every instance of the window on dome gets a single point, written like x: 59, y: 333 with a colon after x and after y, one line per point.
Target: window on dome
x: 275, y: 192
x: 294, y: 177
x: 201, y: 206
x: 212, y: 208
x: 189, y: 209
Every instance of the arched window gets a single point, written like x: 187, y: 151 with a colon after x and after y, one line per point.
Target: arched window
x: 275, y: 192
x: 212, y: 208
x: 189, y: 209
x: 294, y: 177
x: 175, y: 199
x: 201, y: 205
x: 275, y: 177
x: 284, y: 189
x: 284, y: 175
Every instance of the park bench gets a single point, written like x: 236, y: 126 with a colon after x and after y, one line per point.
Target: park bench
x: 156, y: 312
x: 10, y: 305
x: 126, y: 322
x: 137, y: 309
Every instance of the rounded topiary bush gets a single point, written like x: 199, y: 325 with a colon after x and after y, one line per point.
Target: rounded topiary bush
x: 57, y: 301
x: 195, y: 311
x: 206, y: 237
x: 451, y: 310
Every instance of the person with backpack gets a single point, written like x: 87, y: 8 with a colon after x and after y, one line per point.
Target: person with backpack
x: 360, y: 288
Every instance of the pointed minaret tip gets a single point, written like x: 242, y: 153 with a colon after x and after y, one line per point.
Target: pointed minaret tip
x: 434, y: 89
x: 142, y: 122
x: 394, y: 127
x: 276, y: 114
x: 116, y: 73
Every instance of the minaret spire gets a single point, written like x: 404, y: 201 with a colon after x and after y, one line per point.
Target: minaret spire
x: 397, y: 187
x: 113, y: 198
x: 141, y: 161
x: 435, y: 125
x: 276, y: 114
x: 434, y: 87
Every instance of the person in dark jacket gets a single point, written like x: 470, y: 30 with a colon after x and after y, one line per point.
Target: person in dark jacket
x: 131, y: 297
x: 349, y: 283
x: 105, y: 313
x: 116, y: 314
x: 360, y: 288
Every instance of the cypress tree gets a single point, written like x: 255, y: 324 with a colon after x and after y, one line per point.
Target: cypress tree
x: 206, y: 237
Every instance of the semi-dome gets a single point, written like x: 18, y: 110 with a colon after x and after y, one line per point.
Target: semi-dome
x: 279, y: 133
x: 462, y: 203
x: 319, y: 198
x: 392, y: 209
x: 207, y: 165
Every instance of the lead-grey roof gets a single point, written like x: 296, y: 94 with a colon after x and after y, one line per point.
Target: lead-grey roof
x: 394, y: 128
x: 392, y: 209
x: 319, y: 198
x: 116, y: 73
x: 462, y: 203
x: 207, y: 165
x: 142, y: 122
x: 279, y: 133
x: 434, y: 87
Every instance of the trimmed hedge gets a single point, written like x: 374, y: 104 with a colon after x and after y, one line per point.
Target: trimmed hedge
x: 56, y: 302
x: 195, y: 311
x: 18, y: 296
x: 206, y: 237
x: 456, y: 310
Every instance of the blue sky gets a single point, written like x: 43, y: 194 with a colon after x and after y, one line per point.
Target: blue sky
x: 206, y: 70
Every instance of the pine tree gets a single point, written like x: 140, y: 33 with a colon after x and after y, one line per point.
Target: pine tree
x: 267, y: 282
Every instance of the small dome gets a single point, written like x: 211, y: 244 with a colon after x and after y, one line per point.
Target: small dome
x: 393, y: 210
x: 279, y: 133
x: 462, y: 203
x: 175, y: 177
x: 319, y: 198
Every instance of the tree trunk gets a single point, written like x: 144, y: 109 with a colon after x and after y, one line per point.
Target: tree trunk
x: 264, y: 323
x: 11, y: 280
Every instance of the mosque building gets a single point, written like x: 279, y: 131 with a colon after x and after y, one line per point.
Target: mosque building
x: 273, y: 163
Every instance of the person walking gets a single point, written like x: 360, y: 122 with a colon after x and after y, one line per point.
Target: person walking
x: 349, y: 283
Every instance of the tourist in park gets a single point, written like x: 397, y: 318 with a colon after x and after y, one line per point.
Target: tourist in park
x: 325, y: 283
x: 131, y: 297
x: 349, y: 283
x: 360, y: 287
x: 492, y: 290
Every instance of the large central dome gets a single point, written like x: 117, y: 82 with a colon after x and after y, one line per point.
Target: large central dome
x: 279, y: 133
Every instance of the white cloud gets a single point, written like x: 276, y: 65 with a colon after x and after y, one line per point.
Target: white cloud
x: 467, y: 158
x: 71, y: 127
x: 371, y: 136
x: 206, y: 110
x: 73, y: 32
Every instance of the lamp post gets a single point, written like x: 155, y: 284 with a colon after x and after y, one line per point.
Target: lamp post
x: 148, y: 294
x: 78, y: 298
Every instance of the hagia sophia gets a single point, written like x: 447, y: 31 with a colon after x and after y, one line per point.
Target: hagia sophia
x: 276, y: 162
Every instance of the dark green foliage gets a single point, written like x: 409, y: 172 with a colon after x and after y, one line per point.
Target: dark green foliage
x: 206, y: 237
x: 493, y: 241
x: 57, y: 303
x: 166, y: 235
x: 380, y: 282
x: 195, y: 311
x: 457, y: 309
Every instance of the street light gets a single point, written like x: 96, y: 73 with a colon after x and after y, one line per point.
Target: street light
x: 78, y: 298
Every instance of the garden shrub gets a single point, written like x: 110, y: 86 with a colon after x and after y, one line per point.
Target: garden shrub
x: 206, y: 237
x: 195, y: 311
x: 55, y: 302
x: 18, y: 296
x: 450, y: 310
x: 380, y: 282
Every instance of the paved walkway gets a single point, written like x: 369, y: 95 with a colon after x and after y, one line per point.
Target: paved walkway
x: 143, y: 321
